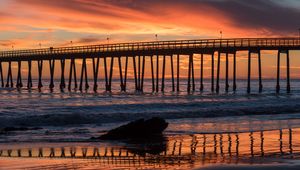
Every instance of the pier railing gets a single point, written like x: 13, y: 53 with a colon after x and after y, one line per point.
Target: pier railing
x: 159, y: 45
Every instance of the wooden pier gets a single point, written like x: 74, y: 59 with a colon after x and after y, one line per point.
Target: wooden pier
x: 138, y: 53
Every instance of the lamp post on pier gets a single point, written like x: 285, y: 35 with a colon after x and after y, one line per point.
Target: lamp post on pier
x: 221, y: 35
x: 107, y: 38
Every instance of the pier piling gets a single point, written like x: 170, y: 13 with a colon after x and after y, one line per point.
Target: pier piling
x: 234, y: 72
x: 51, y: 64
x: 249, y: 73
x: 172, y: 73
x: 278, y: 72
x: 62, y: 78
x: 178, y: 72
x: 157, y: 73
x: 201, y: 73
x: 152, y: 74
x: 288, y: 85
x: 1, y: 74
x: 218, y: 73
x: 226, y: 75
x: 29, y: 80
x: 19, y: 77
x: 96, y: 62
x: 9, y: 76
x: 259, y: 72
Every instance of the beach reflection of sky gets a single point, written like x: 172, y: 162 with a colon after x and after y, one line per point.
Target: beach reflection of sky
x: 268, y: 148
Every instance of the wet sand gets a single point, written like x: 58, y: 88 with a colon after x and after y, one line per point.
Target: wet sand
x: 272, y: 149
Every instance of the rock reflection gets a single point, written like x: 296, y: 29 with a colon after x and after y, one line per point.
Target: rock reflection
x: 154, y: 145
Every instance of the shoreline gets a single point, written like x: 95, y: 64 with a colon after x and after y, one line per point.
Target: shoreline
x: 274, y: 148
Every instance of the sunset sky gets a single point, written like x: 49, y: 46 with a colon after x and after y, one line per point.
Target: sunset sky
x: 28, y: 23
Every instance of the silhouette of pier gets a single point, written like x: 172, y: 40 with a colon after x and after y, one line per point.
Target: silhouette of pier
x: 241, y: 147
x: 138, y: 53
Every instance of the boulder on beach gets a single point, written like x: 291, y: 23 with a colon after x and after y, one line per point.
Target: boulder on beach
x: 137, y: 129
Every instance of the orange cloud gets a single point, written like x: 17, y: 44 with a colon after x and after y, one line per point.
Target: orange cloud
x: 123, y: 20
x: 26, y: 24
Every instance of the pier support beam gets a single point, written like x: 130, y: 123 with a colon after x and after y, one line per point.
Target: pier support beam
x: 163, y: 74
x: 201, y: 74
x: 234, y: 72
x: 72, y: 73
x: 249, y: 73
x: 178, y: 72
x: 29, y: 80
x: 212, y: 72
x: 51, y: 64
x: 111, y: 74
x: 139, y: 73
x: 189, y: 73
x: 218, y: 73
x: 278, y: 72
x: 288, y: 85
x: 123, y: 79
x: 226, y: 75
x: 95, y: 72
x: 157, y: 73
x: 125, y: 75
x: 143, y: 73
x: 62, y: 78
x: 121, y: 73
x: 1, y: 74
x: 9, y: 76
x: 135, y: 74
x: 193, y: 74
x: 152, y: 75
x: 172, y: 72
x: 106, y: 75
x: 259, y: 72
x: 19, y: 77
x: 83, y: 75
x: 40, y: 70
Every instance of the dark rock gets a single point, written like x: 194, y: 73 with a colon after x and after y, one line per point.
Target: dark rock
x: 137, y: 130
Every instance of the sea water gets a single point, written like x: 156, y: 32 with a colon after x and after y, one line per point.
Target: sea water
x: 77, y: 116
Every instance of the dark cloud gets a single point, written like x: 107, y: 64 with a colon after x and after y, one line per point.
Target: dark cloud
x: 87, y: 40
x: 260, y: 14
x: 6, y: 43
x: 255, y: 14
x: 95, y: 7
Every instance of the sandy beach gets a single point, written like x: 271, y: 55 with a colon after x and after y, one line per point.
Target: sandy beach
x: 269, y: 149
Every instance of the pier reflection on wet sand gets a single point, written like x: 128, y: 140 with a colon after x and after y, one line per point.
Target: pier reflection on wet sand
x: 181, y: 151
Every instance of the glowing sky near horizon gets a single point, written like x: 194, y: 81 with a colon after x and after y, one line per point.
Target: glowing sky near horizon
x: 28, y: 23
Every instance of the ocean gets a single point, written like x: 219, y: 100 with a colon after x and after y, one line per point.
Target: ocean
x: 69, y: 118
